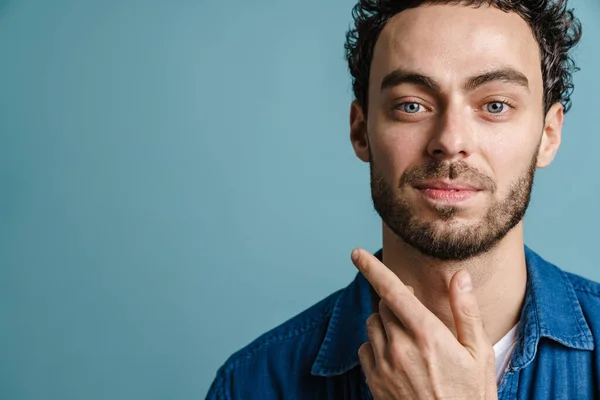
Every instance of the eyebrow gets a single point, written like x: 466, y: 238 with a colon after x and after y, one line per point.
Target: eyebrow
x: 506, y: 75
x: 400, y: 76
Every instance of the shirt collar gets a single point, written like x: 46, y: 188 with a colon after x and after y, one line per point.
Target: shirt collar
x: 347, y: 329
x: 550, y: 310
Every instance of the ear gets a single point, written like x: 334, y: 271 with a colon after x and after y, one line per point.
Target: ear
x: 358, y: 132
x: 552, y: 135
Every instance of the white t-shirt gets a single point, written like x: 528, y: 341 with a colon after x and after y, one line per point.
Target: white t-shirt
x: 503, y: 350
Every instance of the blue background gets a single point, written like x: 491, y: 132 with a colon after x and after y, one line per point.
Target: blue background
x: 177, y: 178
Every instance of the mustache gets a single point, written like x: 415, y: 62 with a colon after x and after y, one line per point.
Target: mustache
x: 453, y: 171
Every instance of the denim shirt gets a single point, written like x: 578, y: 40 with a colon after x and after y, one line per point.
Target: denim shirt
x: 314, y: 355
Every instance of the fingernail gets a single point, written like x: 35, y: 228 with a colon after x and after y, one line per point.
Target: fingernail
x: 464, y: 282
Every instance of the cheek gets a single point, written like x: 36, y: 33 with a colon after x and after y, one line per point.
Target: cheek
x: 510, y: 160
x: 394, y: 152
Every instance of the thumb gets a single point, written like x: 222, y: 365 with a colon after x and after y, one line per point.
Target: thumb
x: 467, y: 317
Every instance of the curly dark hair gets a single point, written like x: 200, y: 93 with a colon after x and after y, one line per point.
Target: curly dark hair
x: 554, y: 26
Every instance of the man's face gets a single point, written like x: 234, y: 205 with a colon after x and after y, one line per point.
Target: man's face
x: 455, y: 119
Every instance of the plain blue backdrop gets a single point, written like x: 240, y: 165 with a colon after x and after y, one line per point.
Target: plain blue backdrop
x: 177, y: 178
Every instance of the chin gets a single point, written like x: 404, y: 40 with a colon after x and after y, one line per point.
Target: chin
x: 466, y: 216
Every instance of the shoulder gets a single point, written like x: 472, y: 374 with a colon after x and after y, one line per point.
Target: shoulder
x: 587, y: 292
x: 583, y: 286
x: 588, y: 296
x: 272, y: 360
x: 588, y: 300
x: 306, y: 323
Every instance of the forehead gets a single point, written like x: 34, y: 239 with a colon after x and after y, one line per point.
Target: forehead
x: 452, y: 42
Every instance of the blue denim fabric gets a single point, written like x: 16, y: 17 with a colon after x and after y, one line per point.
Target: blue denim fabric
x: 314, y: 355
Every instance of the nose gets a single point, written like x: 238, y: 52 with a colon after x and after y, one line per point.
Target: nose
x: 454, y: 138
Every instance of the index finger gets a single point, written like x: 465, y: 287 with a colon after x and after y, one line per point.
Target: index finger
x: 399, y: 298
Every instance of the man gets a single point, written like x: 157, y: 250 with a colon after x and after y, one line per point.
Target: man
x: 457, y: 104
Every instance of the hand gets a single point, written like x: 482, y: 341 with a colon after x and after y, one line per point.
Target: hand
x: 411, y: 354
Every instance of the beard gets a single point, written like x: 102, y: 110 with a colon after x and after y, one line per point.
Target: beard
x: 446, y: 238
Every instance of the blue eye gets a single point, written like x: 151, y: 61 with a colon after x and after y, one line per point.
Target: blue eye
x: 410, y: 108
x: 495, y: 107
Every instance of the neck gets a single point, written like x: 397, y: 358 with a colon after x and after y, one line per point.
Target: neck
x: 499, y: 278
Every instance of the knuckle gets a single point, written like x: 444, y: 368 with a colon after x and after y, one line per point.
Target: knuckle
x: 373, y: 320
x: 412, y: 355
x: 392, y: 300
x: 364, y: 349
x: 421, y: 332
x: 470, y: 311
x: 400, y: 355
x: 429, y: 347
x: 396, y: 356
x: 373, y: 323
x: 428, y: 341
x: 386, y: 290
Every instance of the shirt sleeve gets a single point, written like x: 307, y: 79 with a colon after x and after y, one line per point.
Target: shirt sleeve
x: 218, y: 389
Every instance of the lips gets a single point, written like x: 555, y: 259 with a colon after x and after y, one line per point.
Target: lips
x: 447, y: 186
x: 447, y: 192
